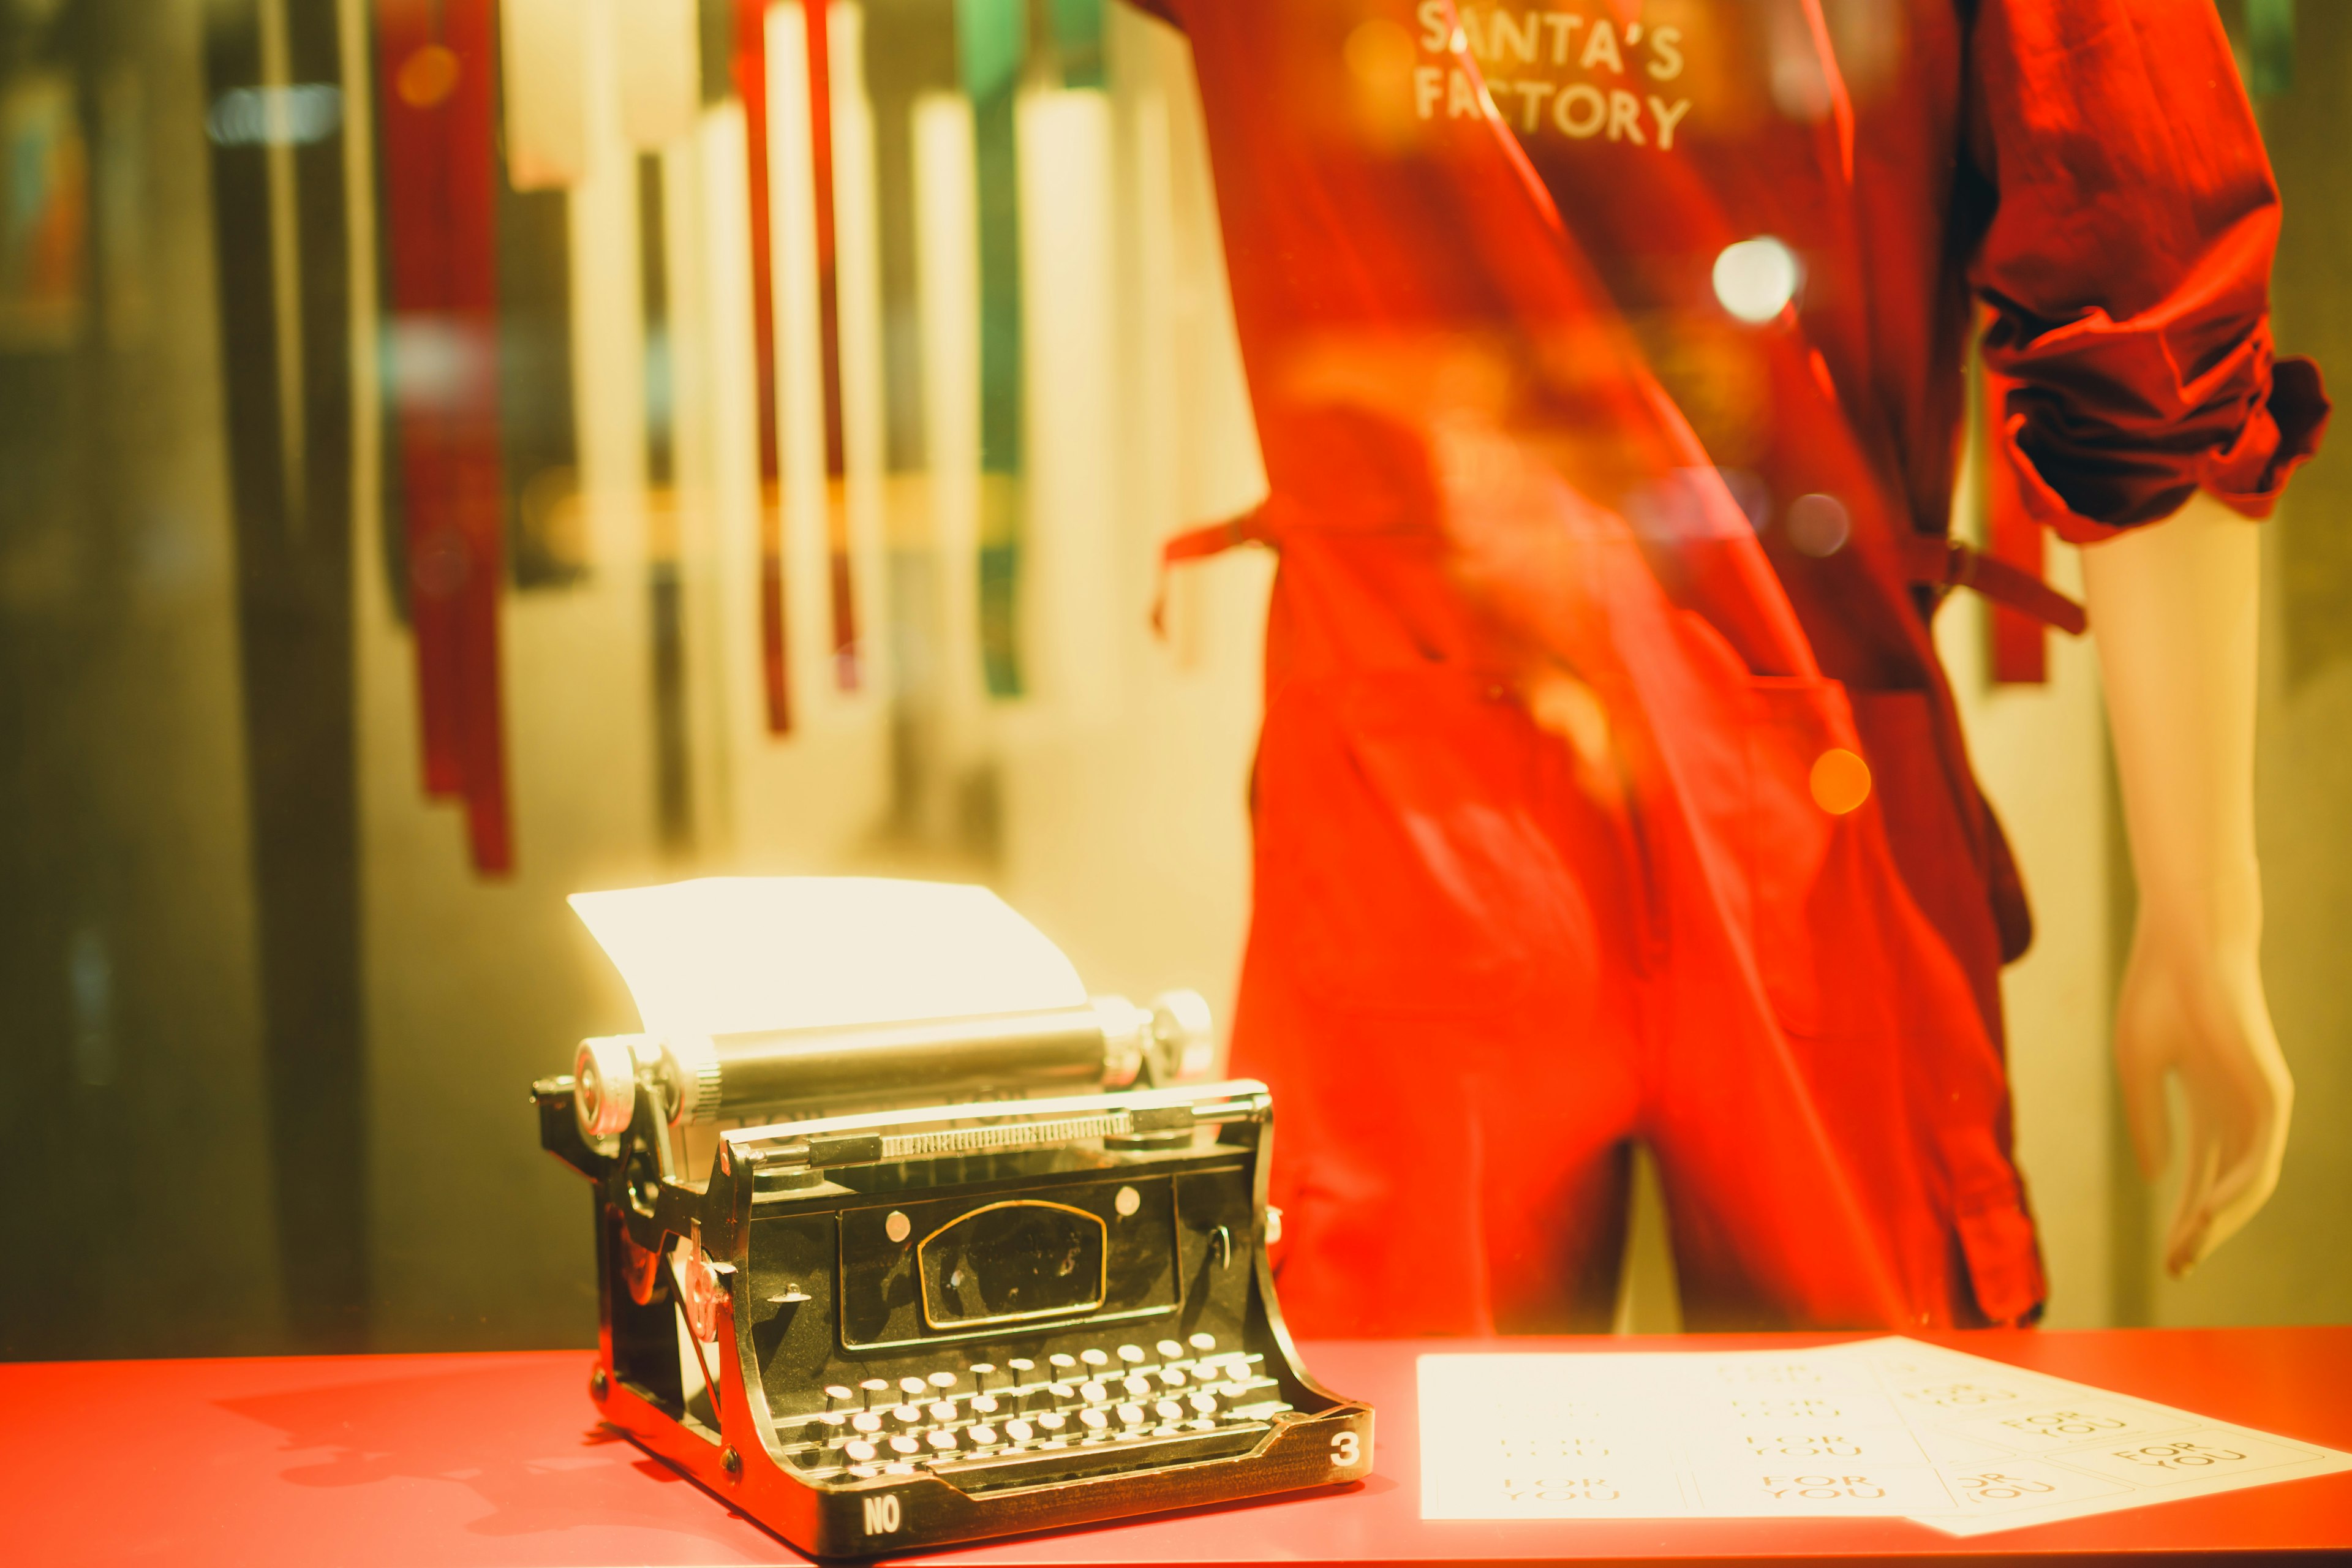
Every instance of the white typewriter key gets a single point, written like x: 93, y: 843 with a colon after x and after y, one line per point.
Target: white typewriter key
x: 1131, y: 1415
x: 1169, y: 1410
x: 1094, y: 1420
x: 866, y: 1472
x: 1062, y: 1390
x: 1170, y: 1349
x: 832, y: 1417
x: 1132, y: 1354
x: 1206, y: 1403
x: 1202, y: 1425
x: 835, y: 1393
x: 1053, y: 1421
x: 943, y: 1441
x: 981, y: 1372
x: 914, y: 1386
x: 944, y: 1379
x: 943, y: 1411
x: 1064, y: 1363
x: 907, y: 1415
x: 982, y: 1436
x: 903, y: 1444
x: 984, y: 1403
x: 1019, y: 1431
x: 1094, y: 1391
x: 1022, y: 1367
x: 866, y: 1421
x: 1173, y: 1376
x: 860, y: 1450
x: 874, y: 1385
x: 1094, y: 1358
x: 1137, y: 1388
x: 898, y: 1469
x: 1203, y: 1342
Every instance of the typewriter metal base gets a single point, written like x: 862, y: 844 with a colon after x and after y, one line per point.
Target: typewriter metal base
x: 902, y: 1514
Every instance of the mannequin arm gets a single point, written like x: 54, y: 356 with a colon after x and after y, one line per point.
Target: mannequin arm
x: 2175, y: 608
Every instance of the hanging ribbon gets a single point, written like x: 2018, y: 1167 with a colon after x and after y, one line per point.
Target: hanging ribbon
x: 438, y: 116
x: 752, y: 87
x: 828, y: 303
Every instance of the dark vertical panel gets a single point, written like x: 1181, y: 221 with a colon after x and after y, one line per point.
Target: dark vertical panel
x: 673, y: 754
x: 291, y: 526
x: 992, y: 44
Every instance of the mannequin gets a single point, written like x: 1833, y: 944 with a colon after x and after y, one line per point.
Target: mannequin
x: 2174, y: 610
x: 1609, y: 787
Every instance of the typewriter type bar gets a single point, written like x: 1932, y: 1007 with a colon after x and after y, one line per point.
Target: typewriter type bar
x: 914, y: 1323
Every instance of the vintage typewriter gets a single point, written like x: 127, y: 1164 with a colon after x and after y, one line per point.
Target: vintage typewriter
x: 887, y: 1284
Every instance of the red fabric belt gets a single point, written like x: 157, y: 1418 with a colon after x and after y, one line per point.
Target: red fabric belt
x: 1928, y: 560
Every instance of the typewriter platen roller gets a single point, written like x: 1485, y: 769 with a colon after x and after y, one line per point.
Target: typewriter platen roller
x: 893, y: 1284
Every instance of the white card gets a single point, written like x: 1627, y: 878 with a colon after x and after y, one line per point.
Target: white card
x: 1886, y: 1428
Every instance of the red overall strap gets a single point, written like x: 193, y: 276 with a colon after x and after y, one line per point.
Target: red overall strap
x: 438, y: 103
x: 828, y: 317
x: 752, y: 86
x: 1934, y: 561
x: 1199, y: 544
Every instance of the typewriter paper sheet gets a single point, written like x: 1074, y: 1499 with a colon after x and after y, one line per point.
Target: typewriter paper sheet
x: 1876, y: 1427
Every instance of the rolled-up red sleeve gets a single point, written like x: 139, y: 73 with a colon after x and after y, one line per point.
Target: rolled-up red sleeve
x: 2127, y: 262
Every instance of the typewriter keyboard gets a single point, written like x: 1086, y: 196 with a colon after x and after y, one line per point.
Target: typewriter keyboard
x: 1099, y: 1405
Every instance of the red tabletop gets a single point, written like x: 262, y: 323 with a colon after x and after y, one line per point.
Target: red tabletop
x: 498, y: 1459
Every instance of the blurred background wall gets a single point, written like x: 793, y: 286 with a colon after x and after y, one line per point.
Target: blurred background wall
x: 744, y: 446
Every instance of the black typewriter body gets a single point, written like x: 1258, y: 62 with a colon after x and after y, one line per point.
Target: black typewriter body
x: 942, y: 1323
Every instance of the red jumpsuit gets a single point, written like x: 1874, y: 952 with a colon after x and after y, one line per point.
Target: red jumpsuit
x: 1590, y: 592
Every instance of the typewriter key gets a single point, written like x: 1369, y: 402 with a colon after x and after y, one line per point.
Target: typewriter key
x: 1094, y: 1391
x: 907, y: 1415
x: 981, y: 1372
x: 874, y: 1385
x: 903, y: 1444
x: 1169, y: 1410
x: 984, y: 1403
x: 1093, y: 1420
x: 866, y: 1472
x: 1132, y: 1354
x: 860, y: 1451
x: 1094, y: 1358
x: 1171, y: 1350
x: 1019, y: 1431
x: 943, y: 1411
x: 1064, y: 1363
x: 1203, y: 1342
x: 943, y: 1441
x: 982, y: 1436
x: 1173, y: 1377
x: 1131, y: 1415
x: 1021, y: 1366
x: 914, y: 1386
x: 1137, y: 1387
x: 835, y: 1393
x: 832, y: 1417
x: 866, y: 1421
x: 1062, y: 1390
x: 1206, y: 1403
x: 898, y: 1469
x: 1053, y: 1421
x: 943, y: 1379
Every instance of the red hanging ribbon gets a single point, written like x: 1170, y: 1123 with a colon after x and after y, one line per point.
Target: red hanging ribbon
x: 438, y: 103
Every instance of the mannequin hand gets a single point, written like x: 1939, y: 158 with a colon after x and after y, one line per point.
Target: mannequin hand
x: 2192, y: 1008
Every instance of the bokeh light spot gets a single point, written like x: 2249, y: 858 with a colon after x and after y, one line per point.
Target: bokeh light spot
x: 427, y: 77
x: 1841, y: 780
x: 1818, y: 525
x: 1755, y: 279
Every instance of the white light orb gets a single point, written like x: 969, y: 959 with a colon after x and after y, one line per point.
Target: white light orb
x: 1755, y: 279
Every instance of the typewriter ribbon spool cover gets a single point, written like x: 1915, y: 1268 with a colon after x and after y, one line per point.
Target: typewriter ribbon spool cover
x: 903, y: 1239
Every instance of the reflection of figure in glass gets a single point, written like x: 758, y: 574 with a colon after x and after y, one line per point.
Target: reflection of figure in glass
x: 1607, y: 359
